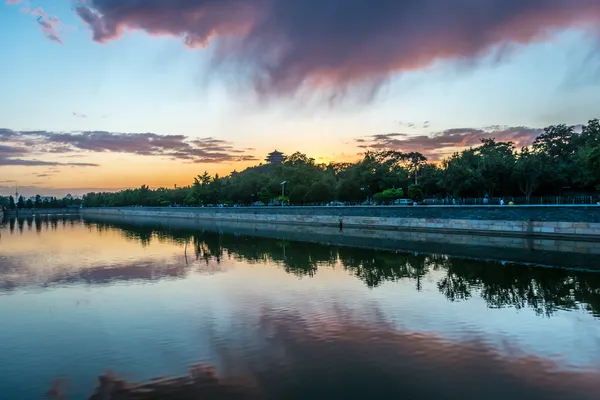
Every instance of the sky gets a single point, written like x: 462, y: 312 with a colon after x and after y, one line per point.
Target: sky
x: 109, y: 94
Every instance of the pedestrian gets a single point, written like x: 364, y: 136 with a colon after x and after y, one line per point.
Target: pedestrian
x: 501, y: 202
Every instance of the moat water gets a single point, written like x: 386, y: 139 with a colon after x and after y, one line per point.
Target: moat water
x: 91, y: 308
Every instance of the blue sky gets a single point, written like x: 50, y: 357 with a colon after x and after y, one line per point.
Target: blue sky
x: 142, y: 83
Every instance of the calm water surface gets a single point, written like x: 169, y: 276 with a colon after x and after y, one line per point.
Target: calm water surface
x: 90, y: 308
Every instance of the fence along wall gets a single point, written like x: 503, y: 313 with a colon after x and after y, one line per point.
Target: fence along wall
x: 576, y: 222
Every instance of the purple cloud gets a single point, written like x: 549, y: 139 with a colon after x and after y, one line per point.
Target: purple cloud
x: 333, y: 44
x: 440, y: 144
x: 204, y: 150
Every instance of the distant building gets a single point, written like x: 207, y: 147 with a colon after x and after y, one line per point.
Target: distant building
x: 275, y: 157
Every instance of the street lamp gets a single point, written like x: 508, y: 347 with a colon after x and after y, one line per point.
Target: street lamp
x: 282, y: 191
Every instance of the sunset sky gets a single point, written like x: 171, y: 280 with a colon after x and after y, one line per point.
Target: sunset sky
x: 108, y: 94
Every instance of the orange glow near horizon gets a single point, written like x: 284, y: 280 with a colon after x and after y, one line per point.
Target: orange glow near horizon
x: 117, y: 171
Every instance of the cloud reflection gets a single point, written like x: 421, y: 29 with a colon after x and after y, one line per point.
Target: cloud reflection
x: 342, y: 354
x: 544, y: 290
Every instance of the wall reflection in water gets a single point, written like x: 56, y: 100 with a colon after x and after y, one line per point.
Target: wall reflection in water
x: 501, y: 284
x: 220, y: 297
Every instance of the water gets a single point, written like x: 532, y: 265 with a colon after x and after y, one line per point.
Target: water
x: 197, y: 314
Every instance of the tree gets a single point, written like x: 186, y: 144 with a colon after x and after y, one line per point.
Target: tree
x: 4, y: 202
x: 265, y: 195
x: 493, y: 167
x: 496, y: 163
x: 12, y: 204
x: 461, y: 175
x: 559, y: 144
x: 29, y: 203
x: 430, y: 178
x: 388, y: 195
x: 587, y: 158
x: 416, y: 192
x: 21, y: 202
x: 38, y: 201
x: 529, y: 171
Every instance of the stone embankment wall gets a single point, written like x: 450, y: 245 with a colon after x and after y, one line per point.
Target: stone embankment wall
x: 572, y: 222
x: 540, y: 251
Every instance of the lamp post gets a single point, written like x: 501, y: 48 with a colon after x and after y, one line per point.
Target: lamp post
x: 282, y: 191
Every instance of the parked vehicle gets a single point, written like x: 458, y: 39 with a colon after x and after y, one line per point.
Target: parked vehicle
x: 403, y: 202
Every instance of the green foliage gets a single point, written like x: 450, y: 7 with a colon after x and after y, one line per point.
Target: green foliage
x: 388, y: 195
x: 416, y: 192
x: 282, y: 199
x: 529, y: 171
x: 496, y: 163
x: 5, y: 202
x: 559, y: 157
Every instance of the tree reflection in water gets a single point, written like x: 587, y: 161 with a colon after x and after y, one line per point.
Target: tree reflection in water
x: 544, y: 290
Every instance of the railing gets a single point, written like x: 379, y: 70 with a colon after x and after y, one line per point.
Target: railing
x: 538, y: 200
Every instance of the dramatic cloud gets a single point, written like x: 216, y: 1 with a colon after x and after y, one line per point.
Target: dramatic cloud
x: 447, y: 142
x: 287, y: 45
x: 205, y: 150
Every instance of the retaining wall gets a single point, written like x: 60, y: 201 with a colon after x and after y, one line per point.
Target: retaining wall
x: 574, y: 222
x: 540, y: 251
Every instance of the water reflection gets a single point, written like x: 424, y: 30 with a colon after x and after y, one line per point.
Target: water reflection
x: 545, y: 290
x: 345, y: 356
x: 281, y: 318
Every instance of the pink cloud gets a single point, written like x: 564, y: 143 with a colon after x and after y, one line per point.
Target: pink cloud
x: 335, y: 44
x: 49, y: 25
x: 440, y: 144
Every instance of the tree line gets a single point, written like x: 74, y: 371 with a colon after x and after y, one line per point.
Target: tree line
x: 561, y: 157
x: 8, y: 202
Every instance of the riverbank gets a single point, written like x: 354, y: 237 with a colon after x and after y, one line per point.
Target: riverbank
x: 534, y: 251
x: 554, y: 222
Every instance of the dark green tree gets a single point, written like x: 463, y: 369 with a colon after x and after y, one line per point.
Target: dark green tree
x: 529, y: 171
x: 416, y: 192
x: 496, y: 165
